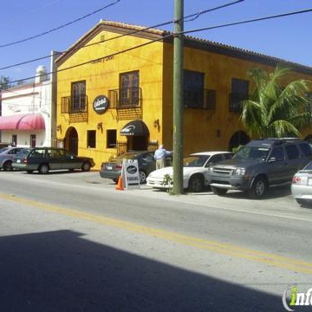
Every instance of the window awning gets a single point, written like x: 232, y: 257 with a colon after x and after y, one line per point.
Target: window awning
x: 22, y: 122
x: 135, y: 128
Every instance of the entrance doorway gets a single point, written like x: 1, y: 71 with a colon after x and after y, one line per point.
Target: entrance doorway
x: 137, y: 143
x: 137, y: 134
x: 237, y: 139
x: 71, y: 141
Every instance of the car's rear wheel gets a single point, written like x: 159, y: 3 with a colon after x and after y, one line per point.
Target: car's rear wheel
x: 218, y: 191
x: 196, y: 183
x: 44, y: 169
x: 259, y: 188
x: 86, y: 166
x: 142, y: 176
x: 7, y: 166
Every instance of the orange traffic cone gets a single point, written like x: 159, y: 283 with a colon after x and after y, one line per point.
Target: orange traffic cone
x: 119, y: 186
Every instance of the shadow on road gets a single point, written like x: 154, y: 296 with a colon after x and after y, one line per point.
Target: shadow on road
x: 61, y: 271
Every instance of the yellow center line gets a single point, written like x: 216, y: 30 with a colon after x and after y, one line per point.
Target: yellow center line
x: 217, y: 247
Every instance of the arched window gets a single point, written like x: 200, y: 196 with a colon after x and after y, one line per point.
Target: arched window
x: 237, y: 139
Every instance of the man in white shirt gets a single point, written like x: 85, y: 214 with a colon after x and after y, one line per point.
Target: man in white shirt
x: 160, y: 157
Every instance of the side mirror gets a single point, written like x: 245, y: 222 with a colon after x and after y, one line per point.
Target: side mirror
x: 272, y: 159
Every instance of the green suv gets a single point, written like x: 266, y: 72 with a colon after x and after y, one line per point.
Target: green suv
x: 44, y: 159
x: 259, y: 165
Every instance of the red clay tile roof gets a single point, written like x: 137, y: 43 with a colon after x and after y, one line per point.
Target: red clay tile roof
x: 197, y: 43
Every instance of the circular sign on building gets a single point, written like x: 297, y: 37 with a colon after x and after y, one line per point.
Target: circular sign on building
x: 100, y: 104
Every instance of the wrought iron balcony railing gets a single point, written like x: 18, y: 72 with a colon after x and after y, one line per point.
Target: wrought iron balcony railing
x: 125, y: 98
x: 74, y: 104
x: 200, y: 98
x: 235, y: 102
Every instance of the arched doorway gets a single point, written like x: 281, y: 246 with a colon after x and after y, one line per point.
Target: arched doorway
x: 308, y: 138
x: 71, y: 140
x: 237, y: 139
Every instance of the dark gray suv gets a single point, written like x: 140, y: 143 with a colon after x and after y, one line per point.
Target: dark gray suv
x: 259, y: 165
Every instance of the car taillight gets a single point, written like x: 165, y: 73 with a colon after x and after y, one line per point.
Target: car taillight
x: 25, y: 161
x: 118, y: 167
x: 299, y: 180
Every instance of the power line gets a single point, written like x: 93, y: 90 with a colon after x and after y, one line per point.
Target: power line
x: 197, y: 15
x: 26, y: 62
x: 59, y: 27
x: 249, y: 21
x: 168, y: 36
x: 193, y: 16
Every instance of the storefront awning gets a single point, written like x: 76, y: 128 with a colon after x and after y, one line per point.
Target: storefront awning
x: 135, y: 128
x: 22, y: 122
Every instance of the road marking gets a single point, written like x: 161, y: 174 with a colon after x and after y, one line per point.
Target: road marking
x: 191, y: 200
x: 267, y: 214
x: 218, y: 247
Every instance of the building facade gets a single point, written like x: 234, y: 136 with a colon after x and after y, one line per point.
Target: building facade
x: 115, y: 92
x: 26, y: 116
x: 28, y: 111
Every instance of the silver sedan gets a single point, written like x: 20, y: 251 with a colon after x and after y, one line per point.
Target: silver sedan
x: 301, y: 187
x: 6, y: 156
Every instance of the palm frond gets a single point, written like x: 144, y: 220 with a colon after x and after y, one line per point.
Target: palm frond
x: 274, y: 109
x: 301, y: 120
x: 282, y: 128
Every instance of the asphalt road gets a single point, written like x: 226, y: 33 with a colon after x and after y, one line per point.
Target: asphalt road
x: 71, y: 242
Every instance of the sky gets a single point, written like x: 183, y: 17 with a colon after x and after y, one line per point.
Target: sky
x: 32, y: 29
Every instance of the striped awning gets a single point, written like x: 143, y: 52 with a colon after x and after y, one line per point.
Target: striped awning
x: 22, y: 122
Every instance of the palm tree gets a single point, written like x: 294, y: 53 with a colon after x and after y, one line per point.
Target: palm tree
x: 4, y: 83
x: 274, y: 110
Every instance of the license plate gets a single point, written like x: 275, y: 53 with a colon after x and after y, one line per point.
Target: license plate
x: 109, y: 167
x: 18, y: 161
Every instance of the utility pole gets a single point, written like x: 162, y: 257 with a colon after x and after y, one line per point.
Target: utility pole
x: 178, y: 98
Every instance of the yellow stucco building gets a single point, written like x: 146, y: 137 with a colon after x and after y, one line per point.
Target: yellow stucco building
x: 115, y: 92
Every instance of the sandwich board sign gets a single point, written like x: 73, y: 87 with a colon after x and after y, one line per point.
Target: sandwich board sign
x: 130, y: 173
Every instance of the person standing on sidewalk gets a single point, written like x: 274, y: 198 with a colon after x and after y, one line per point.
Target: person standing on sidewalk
x: 160, y: 157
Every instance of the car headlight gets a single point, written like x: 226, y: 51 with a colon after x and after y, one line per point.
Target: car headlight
x: 240, y: 171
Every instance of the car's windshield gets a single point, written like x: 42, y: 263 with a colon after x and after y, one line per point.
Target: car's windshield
x: 126, y: 156
x: 308, y: 166
x: 23, y: 151
x: 2, y: 150
x: 259, y: 153
x: 195, y: 161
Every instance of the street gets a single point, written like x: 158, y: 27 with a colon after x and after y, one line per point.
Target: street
x: 72, y: 242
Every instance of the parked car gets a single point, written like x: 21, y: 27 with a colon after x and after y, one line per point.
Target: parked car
x: 259, y: 165
x: 195, y: 171
x: 44, y: 159
x: 4, y: 144
x: 301, y: 187
x: 146, y: 163
x: 6, y: 157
